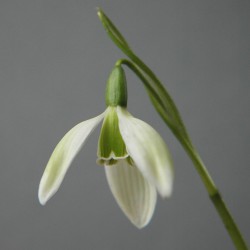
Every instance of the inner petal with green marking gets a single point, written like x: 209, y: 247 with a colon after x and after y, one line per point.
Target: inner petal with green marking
x: 111, y: 146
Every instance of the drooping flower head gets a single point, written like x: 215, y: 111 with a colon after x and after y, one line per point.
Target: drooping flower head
x: 136, y: 160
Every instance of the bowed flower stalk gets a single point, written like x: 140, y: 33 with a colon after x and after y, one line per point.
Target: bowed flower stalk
x: 167, y: 109
x: 136, y: 160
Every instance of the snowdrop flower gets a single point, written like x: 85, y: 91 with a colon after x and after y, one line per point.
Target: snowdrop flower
x: 136, y: 160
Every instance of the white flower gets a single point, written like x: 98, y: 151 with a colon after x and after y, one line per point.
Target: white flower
x: 136, y: 159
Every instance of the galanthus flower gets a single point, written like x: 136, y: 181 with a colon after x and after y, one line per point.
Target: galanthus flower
x: 136, y: 160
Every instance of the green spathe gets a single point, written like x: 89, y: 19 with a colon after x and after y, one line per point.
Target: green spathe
x: 116, y: 90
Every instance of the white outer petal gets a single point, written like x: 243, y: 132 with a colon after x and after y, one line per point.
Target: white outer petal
x: 62, y: 157
x: 148, y: 151
x: 133, y: 193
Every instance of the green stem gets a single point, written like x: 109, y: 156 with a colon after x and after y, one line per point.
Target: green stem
x: 216, y: 199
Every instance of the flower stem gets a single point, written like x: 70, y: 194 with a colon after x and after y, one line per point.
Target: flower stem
x: 167, y: 109
x: 216, y: 199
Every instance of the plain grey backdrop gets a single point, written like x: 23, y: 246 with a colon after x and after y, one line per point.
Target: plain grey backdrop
x: 55, y: 58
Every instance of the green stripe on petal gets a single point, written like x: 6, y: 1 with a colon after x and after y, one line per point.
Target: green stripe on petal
x: 111, y: 145
x: 133, y: 193
x: 148, y: 151
x: 63, y: 155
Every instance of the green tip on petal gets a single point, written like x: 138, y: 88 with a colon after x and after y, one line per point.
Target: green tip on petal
x: 116, y: 90
x: 111, y: 145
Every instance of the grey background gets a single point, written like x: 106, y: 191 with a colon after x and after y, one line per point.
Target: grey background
x: 54, y: 61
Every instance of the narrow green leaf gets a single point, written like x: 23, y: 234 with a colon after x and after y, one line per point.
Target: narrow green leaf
x: 112, y: 31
